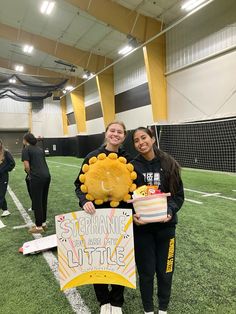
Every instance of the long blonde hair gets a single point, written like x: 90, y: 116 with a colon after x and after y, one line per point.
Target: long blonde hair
x: 2, y: 150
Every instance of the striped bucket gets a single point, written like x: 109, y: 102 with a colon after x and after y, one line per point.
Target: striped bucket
x: 152, y: 208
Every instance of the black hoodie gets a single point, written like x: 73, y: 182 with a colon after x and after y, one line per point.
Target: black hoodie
x: 6, y: 165
x: 150, y: 172
x: 96, y: 152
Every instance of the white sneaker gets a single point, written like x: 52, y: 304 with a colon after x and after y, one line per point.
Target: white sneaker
x: 5, y: 213
x: 105, y: 309
x: 162, y: 312
x: 116, y: 310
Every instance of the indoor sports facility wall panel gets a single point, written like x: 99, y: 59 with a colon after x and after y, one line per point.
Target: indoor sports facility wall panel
x: 130, y: 72
x: 204, y: 91
x: 14, y: 115
x: 72, y: 130
x: 91, y: 95
x: 206, y: 33
x: 131, y: 92
x: 47, y: 119
x: 95, y: 126
x: 136, y: 117
x: 69, y: 107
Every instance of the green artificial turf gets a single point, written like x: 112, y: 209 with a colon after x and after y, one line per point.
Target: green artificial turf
x: 204, y: 279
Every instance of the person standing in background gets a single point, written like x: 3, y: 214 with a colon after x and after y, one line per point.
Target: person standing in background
x: 155, y: 242
x: 36, y: 167
x: 7, y: 163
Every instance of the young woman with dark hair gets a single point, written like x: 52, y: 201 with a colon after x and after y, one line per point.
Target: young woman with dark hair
x: 7, y: 163
x: 39, y: 179
x: 112, y: 300
x: 155, y: 242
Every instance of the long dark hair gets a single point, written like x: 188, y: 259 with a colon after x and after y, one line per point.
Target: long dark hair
x: 30, y: 138
x: 171, y: 168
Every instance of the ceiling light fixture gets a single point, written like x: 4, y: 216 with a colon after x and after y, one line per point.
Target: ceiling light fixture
x: 132, y: 44
x: 69, y: 88
x: 28, y: 48
x: 87, y: 75
x: 19, y: 68
x: 12, y: 81
x: 125, y: 50
x: 191, y: 4
x: 47, y: 7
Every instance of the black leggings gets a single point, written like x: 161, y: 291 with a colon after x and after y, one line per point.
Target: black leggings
x: 39, y: 193
x: 27, y: 181
x: 3, y: 191
x: 115, y: 296
x: 154, y: 254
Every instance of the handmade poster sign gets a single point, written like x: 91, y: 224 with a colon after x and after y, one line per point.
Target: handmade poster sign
x: 96, y: 248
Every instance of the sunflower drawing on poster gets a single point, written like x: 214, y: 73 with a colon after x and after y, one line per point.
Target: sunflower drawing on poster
x: 96, y: 248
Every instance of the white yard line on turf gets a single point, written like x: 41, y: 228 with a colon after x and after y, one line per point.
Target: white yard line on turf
x: 2, y: 224
x: 210, y: 194
x: 22, y: 226
x: 204, y: 193
x: 210, y: 171
x: 192, y: 201
x: 72, y: 295
x: 60, y: 163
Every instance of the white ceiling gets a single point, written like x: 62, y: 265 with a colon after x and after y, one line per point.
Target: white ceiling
x: 71, y: 26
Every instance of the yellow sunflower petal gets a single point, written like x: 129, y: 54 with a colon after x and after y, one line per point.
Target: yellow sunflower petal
x: 113, y: 156
x: 130, y: 167
x: 83, y: 188
x: 133, y: 187
x: 85, y: 168
x: 98, y: 202
x: 133, y: 175
x: 82, y: 178
x: 101, y: 156
x: 89, y: 197
x: 127, y: 197
x: 92, y: 160
x: 123, y: 160
x: 114, y: 204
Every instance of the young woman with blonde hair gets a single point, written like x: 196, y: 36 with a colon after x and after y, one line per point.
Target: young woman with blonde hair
x: 111, y: 301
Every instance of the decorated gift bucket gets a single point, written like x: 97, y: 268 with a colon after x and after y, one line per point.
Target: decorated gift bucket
x: 151, y: 208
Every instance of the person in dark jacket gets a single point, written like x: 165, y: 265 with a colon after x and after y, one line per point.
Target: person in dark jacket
x: 112, y: 300
x: 155, y: 242
x: 39, y: 177
x: 7, y: 163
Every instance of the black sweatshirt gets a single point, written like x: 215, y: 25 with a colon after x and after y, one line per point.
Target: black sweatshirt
x: 38, y: 165
x: 151, y: 173
x: 6, y: 165
x: 81, y: 195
